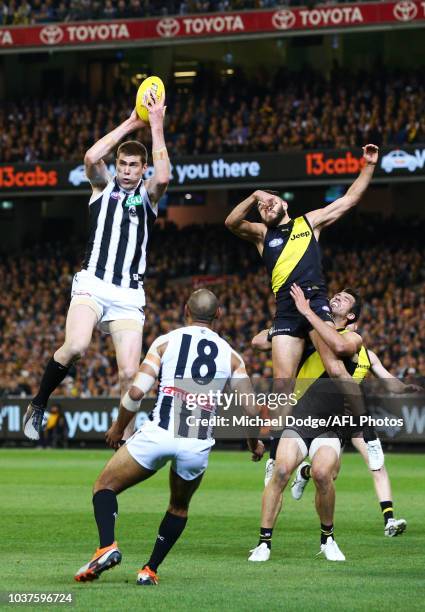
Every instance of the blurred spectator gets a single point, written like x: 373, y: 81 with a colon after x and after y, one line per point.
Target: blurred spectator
x: 37, y: 11
x: 389, y: 276
x: 306, y: 111
x: 54, y: 433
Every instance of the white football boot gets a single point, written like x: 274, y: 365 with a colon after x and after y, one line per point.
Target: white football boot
x: 299, y: 483
x: 331, y: 550
x: 268, y: 471
x: 260, y: 553
x: 395, y: 527
x: 375, y: 455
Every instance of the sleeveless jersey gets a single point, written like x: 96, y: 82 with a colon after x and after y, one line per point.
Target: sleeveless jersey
x: 317, y: 394
x: 120, y: 226
x: 292, y: 255
x: 195, y: 361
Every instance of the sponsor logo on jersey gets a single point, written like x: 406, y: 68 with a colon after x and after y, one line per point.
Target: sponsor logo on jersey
x: 134, y: 201
x: 275, y: 242
x: 301, y: 235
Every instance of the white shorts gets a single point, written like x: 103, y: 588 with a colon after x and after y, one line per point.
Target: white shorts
x: 116, y: 307
x: 325, y: 439
x: 153, y: 447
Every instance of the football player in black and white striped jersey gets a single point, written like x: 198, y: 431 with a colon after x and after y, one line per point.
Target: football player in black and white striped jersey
x: 108, y: 291
x: 189, y: 361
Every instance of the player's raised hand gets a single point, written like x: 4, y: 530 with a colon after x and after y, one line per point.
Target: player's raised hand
x: 371, y: 153
x: 136, y: 121
x: 156, y: 108
x: 302, y: 304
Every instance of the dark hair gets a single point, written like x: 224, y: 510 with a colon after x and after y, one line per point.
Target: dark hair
x: 357, y: 306
x: 133, y: 147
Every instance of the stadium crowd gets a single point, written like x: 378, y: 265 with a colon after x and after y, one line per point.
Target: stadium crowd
x: 36, y: 285
x: 25, y: 12
x: 306, y: 111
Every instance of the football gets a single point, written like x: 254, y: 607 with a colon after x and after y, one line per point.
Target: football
x: 154, y: 84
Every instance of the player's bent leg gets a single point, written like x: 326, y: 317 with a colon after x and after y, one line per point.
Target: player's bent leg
x: 127, y: 336
x: 290, y: 453
x: 382, y: 484
x: 120, y: 473
x: 80, y: 323
x: 171, y: 527
x: 325, y: 453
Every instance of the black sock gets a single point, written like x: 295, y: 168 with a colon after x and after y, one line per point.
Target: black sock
x: 105, y: 507
x: 387, y: 510
x: 326, y: 531
x: 52, y: 377
x: 170, y: 530
x: 369, y: 433
x: 305, y: 472
x: 265, y: 536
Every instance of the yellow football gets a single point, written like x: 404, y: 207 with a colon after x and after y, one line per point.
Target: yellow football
x: 153, y: 83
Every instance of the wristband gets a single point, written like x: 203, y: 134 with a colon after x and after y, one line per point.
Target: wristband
x: 143, y: 381
x: 129, y: 404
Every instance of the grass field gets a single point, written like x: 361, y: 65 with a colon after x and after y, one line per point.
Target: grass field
x: 48, y: 532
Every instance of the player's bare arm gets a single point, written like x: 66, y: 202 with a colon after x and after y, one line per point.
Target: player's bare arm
x: 131, y: 401
x: 323, y: 217
x: 391, y: 382
x: 96, y: 169
x: 344, y: 345
x: 238, y: 225
x: 157, y: 185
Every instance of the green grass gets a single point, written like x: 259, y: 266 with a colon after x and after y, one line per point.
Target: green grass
x: 48, y: 532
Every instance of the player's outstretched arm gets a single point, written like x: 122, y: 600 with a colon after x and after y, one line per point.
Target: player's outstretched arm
x: 237, y: 224
x: 96, y: 169
x: 391, y: 383
x: 341, y: 345
x: 157, y: 185
x: 323, y: 217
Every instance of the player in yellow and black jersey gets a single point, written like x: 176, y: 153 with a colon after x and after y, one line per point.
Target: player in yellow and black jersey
x: 318, y: 398
x: 291, y: 254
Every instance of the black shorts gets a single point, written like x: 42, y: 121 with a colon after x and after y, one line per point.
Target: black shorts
x: 289, y: 322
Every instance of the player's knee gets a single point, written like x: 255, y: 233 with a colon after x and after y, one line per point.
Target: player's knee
x: 322, y: 475
x: 127, y: 373
x: 75, y: 348
x: 280, y: 476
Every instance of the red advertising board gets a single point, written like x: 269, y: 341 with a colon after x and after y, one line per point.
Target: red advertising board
x: 285, y: 20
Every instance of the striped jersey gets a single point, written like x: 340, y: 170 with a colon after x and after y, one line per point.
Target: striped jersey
x: 196, y: 361
x: 120, y: 226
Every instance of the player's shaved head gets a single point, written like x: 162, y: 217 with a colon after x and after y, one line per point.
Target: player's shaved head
x: 202, y: 305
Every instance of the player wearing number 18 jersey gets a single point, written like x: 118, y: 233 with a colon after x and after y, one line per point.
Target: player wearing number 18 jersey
x: 192, y: 359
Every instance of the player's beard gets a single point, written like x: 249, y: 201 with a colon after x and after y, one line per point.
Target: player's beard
x: 276, y: 221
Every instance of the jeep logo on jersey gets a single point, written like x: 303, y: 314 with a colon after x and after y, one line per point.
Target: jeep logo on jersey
x: 276, y: 242
x: 301, y: 235
x: 134, y: 201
